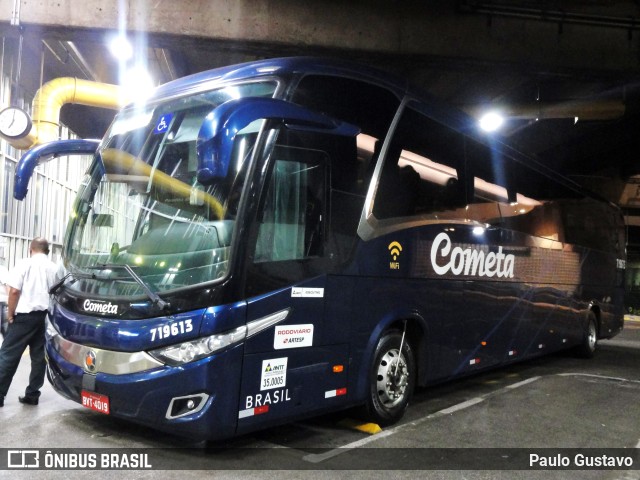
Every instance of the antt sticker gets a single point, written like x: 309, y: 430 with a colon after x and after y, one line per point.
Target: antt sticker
x: 274, y: 373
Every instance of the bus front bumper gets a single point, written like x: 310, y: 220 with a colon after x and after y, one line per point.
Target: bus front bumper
x: 189, y: 400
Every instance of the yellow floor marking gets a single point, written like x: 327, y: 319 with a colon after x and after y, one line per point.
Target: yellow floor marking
x: 370, y: 428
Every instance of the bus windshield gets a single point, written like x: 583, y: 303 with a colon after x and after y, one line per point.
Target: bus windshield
x: 140, y: 204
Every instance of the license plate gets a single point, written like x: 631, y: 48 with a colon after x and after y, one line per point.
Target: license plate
x: 95, y: 401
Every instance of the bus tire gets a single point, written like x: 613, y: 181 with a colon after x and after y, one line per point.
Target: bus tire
x: 392, y: 379
x: 587, y: 348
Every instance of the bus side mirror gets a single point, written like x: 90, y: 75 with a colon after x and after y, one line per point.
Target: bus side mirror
x: 220, y: 127
x: 43, y: 153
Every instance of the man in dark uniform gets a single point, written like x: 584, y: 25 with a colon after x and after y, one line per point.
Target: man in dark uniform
x: 29, y: 283
x: 3, y: 299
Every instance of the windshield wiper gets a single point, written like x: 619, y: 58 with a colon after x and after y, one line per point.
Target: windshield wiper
x: 56, y: 286
x: 155, y: 298
x: 74, y: 278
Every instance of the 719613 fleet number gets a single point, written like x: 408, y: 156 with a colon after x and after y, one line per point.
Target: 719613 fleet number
x: 171, y: 330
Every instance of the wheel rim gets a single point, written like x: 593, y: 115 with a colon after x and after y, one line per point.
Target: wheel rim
x: 392, y: 379
x: 592, y: 336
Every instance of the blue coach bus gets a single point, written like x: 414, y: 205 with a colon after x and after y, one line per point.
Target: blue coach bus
x: 274, y: 240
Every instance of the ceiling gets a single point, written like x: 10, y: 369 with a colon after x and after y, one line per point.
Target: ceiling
x: 579, y: 111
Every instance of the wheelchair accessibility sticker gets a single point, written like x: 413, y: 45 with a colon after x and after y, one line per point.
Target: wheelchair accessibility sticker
x: 163, y: 124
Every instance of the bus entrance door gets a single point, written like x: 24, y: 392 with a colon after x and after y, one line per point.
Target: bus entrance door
x: 290, y: 369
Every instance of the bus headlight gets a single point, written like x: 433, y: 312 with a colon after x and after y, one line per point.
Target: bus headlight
x: 193, y: 350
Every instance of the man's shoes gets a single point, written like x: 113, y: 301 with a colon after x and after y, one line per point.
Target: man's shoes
x: 28, y: 400
x: 1, y: 401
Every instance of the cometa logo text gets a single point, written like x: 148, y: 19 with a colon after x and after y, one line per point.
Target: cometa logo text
x: 96, y: 307
x: 469, y: 261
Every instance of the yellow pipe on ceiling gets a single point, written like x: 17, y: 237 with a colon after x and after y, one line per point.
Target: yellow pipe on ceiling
x: 50, y: 98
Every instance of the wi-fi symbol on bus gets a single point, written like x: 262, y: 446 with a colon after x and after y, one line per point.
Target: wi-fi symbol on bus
x: 394, y: 249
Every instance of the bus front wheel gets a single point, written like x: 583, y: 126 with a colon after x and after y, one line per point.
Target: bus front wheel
x: 391, y: 379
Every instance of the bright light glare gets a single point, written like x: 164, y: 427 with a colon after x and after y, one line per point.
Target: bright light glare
x: 121, y: 48
x: 492, y: 121
x: 233, y: 92
x: 137, y: 83
x: 125, y: 125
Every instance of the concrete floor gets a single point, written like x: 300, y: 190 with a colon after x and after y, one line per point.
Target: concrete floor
x: 554, y: 402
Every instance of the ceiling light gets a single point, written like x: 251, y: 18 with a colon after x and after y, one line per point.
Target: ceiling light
x: 121, y: 48
x: 491, y: 121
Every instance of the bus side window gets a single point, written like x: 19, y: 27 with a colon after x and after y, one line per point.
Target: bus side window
x: 398, y: 188
x: 291, y: 224
x: 420, y: 174
x: 349, y: 162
